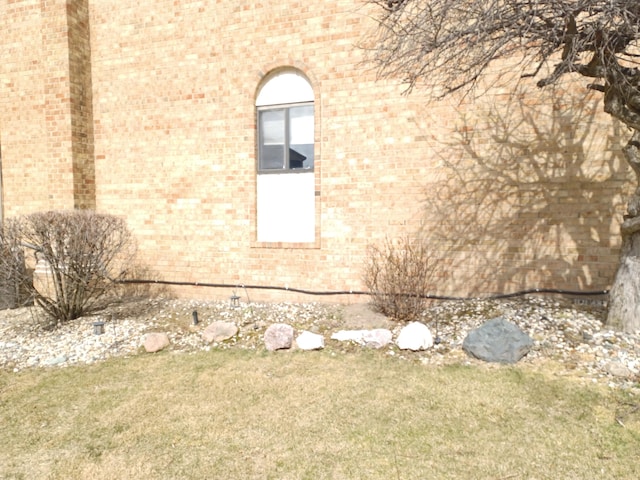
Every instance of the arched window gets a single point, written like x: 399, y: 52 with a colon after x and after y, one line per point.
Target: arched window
x: 286, y: 203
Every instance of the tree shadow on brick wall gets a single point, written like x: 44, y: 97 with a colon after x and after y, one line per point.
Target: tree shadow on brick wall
x: 528, y: 197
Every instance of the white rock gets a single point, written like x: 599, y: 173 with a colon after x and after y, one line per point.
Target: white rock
x: 310, y: 341
x: 378, y: 338
x: 56, y: 360
x: 349, y: 336
x: 415, y: 336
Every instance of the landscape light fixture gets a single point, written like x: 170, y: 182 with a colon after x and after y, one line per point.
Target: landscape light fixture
x: 98, y: 328
x: 234, y: 300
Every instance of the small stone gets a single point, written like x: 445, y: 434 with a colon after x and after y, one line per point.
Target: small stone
x: 154, y: 342
x: 219, y: 332
x: 33, y: 361
x: 278, y: 336
x: 56, y: 360
x: 617, y: 369
x: 310, y: 341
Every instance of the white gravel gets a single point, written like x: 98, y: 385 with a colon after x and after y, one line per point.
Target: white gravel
x: 567, y: 335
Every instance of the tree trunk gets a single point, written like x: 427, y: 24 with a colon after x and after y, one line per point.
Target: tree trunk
x: 624, y: 298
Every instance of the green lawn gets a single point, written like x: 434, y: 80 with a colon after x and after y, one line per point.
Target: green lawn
x: 310, y: 415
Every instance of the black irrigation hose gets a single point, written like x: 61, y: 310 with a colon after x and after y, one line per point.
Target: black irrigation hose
x: 498, y: 296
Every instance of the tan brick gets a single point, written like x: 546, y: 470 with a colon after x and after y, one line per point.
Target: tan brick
x: 146, y: 110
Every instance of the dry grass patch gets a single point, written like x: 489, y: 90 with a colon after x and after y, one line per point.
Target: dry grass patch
x: 239, y: 414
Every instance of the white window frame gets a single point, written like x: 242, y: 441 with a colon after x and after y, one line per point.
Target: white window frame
x: 288, y: 152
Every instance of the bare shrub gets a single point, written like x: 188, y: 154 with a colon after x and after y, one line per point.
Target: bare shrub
x: 14, y: 276
x: 83, y: 255
x: 398, y: 275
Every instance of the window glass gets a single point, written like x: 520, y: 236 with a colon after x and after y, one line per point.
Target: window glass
x: 286, y: 138
x: 272, y: 139
x: 301, y: 137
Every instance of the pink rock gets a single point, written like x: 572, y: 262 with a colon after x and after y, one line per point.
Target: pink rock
x: 219, y: 332
x: 154, y: 342
x: 278, y: 336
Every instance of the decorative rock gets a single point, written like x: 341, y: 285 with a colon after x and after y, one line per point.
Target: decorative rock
x: 278, y: 336
x: 497, y: 341
x: 310, y: 341
x: 154, y: 342
x: 377, y: 338
x: 33, y: 361
x: 349, y: 336
x: 617, y: 369
x: 219, y: 332
x: 415, y: 336
x: 56, y: 360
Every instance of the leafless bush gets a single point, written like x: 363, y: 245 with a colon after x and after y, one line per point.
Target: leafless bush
x: 14, y: 276
x: 399, y: 275
x: 81, y: 255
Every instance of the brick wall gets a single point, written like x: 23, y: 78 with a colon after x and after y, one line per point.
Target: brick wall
x: 40, y: 119
x: 510, y: 190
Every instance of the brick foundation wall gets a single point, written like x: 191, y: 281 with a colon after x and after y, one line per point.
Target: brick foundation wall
x: 510, y: 190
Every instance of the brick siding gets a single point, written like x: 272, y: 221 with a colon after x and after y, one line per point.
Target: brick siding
x: 146, y: 110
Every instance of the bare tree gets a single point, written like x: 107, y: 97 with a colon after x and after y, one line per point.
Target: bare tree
x: 83, y: 253
x: 450, y: 45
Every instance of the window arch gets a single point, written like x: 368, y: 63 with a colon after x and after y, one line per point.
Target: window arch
x: 285, y: 123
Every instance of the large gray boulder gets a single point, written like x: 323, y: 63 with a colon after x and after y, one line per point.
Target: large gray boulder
x: 497, y: 340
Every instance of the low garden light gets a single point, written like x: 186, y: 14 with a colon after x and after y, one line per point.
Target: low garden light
x: 98, y: 328
x: 234, y: 300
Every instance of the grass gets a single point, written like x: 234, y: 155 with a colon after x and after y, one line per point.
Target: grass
x: 238, y: 414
